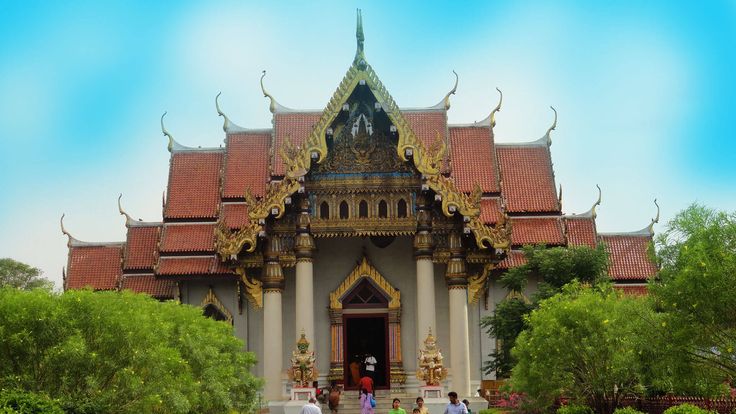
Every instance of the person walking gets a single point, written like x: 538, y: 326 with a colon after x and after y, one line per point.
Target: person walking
x: 421, y: 407
x: 396, y: 407
x: 467, y: 405
x: 367, y: 383
x: 311, y: 407
x: 333, y: 399
x: 455, y: 406
x: 366, y: 407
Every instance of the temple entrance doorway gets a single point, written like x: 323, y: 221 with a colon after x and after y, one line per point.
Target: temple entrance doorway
x: 366, y: 336
x: 365, y: 322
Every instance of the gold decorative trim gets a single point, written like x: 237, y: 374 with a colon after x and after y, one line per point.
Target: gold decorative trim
x: 229, y: 243
x: 211, y: 299
x: 365, y: 269
x: 428, y: 162
x: 253, y: 288
x: 477, y: 284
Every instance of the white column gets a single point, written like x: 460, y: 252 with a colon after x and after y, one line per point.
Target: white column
x: 426, y: 318
x: 305, y: 301
x: 272, y: 344
x: 459, y: 341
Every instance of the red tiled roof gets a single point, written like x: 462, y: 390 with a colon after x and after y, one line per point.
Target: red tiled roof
x: 297, y: 126
x: 628, y: 256
x: 185, y: 266
x: 97, y: 267
x: 581, y: 231
x: 194, y: 184
x: 473, y: 160
x: 526, y: 178
x: 426, y: 125
x: 158, y: 288
x: 490, y: 210
x: 236, y: 215
x: 188, y: 238
x: 140, y: 248
x: 536, y: 230
x: 514, y: 258
x: 246, y: 164
x: 632, y: 290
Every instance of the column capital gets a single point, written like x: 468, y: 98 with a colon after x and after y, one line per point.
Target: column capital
x: 423, y: 239
x: 456, y: 275
x: 303, y: 242
x: 273, y: 275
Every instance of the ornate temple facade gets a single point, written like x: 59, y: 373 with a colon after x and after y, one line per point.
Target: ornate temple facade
x: 363, y: 226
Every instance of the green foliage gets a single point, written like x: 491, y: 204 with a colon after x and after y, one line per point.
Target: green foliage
x: 575, y: 409
x: 687, y: 409
x: 491, y: 411
x: 122, y: 353
x: 583, y: 344
x: 697, y: 289
x: 552, y: 268
x: 21, y: 402
x: 627, y: 410
x: 22, y: 276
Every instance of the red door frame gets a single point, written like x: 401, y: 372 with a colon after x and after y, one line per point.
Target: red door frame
x: 345, y: 354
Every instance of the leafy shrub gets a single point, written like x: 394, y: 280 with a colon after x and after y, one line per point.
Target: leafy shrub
x: 627, y: 410
x: 22, y: 402
x: 575, y: 409
x: 687, y: 409
x: 101, y: 352
x: 491, y: 411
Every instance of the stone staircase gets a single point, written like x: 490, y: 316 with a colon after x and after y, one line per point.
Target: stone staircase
x: 350, y: 404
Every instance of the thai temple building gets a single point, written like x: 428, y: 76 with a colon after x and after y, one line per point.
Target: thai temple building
x: 363, y: 225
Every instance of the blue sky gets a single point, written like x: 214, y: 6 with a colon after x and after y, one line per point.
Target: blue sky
x: 645, y: 93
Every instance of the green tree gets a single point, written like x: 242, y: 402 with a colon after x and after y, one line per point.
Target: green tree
x: 582, y: 343
x: 22, y: 276
x: 696, y: 291
x: 552, y: 268
x: 122, y: 353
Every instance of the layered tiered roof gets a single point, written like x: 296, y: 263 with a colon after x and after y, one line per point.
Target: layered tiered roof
x: 515, y: 183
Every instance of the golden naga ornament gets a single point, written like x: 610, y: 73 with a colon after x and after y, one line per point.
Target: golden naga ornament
x: 303, y: 370
x: 229, y: 243
x: 431, y: 369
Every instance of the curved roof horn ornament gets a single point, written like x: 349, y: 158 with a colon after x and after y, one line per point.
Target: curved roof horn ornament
x: 452, y: 92
x: 274, y: 105
x: 551, y: 128
x: 497, y: 108
x: 597, y: 202
x: 166, y: 133
x: 655, y: 220
x: 120, y: 209
x: 226, y: 123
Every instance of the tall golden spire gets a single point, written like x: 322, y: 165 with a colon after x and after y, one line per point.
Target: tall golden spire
x: 360, y: 37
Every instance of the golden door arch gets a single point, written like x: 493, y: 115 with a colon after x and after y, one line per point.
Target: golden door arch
x: 365, y: 272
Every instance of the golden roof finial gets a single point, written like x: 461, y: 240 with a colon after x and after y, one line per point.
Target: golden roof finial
x: 360, y: 38
x: 226, y: 123
x: 452, y: 92
x: 552, y: 128
x: 655, y: 220
x: 165, y: 132
x: 497, y: 108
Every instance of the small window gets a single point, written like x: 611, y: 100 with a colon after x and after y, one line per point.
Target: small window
x: 324, y: 210
x: 211, y: 311
x: 382, y: 209
x: 401, y: 208
x: 363, y: 209
x: 344, y: 210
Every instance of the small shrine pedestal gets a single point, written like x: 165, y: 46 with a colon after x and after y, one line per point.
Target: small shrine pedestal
x: 431, y: 391
x: 303, y: 393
